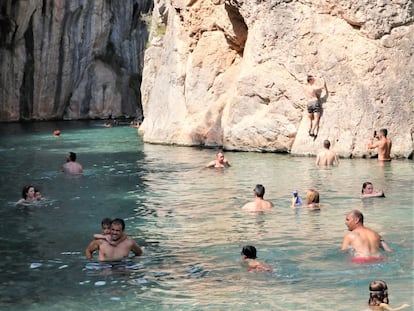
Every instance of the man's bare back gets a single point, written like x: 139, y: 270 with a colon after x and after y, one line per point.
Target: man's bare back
x: 312, y: 91
x: 258, y: 205
x: 326, y: 156
x: 383, y: 144
x: 384, y: 149
x: 72, y: 168
x: 365, y: 242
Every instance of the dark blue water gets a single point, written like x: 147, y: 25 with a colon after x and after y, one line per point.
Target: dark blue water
x: 188, y: 222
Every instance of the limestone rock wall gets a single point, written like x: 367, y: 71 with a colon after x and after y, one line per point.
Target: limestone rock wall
x: 230, y: 73
x: 71, y: 59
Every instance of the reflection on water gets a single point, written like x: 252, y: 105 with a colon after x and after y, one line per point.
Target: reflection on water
x: 189, y: 222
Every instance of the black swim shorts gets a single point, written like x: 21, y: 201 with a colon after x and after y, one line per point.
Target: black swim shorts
x: 315, y: 106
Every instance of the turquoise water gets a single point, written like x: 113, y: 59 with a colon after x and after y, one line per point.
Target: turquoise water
x: 188, y: 221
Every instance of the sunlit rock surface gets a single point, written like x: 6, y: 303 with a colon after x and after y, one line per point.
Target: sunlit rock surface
x: 230, y: 73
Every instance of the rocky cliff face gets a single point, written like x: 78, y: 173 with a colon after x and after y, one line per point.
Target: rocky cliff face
x: 71, y: 59
x: 230, y: 73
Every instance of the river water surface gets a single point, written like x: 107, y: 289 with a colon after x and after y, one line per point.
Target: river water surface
x: 188, y: 221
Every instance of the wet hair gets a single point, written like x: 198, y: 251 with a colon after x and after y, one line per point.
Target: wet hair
x: 384, y: 132
x: 309, y: 78
x: 25, y: 190
x: 378, y: 293
x: 72, y: 156
x: 259, y: 190
x: 249, y: 251
x: 220, y: 151
x: 106, y: 222
x: 326, y: 143
x: 312, y: 196
x: 119, y: 221
x: 364, y: 185
x: 358, y: 215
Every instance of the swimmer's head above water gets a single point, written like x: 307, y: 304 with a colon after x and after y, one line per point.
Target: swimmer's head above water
x: 259, y: 190
x: 249, y: 251
x: 378, y: 293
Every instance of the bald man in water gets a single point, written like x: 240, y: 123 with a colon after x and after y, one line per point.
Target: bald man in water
x: 220, y: 161
x: 364, y: 242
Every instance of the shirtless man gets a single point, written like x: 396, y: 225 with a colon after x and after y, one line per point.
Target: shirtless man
x: 313, y: 93
x: 364, y: 242
x: 383, y: 144
x: 220, y: 161
x: 259, y: 204
x: 327, y: 157
x: 120, y: 247
x: 71, y: 166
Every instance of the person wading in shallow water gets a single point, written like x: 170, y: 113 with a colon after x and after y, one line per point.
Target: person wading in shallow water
x: 119, y: 246
x: 383, y: 144
x: 220, y: 161
x: 326, y: 156
x: 248, y: 255
x: 364, y: 242
x: 313, y: 93
x: 259, y: 204
x: 71, y: 166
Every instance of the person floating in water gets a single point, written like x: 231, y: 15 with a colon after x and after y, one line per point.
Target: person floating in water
x: 71, y: 166
x: 326, y: 156
x: 368, y: 191
x: 259, y: 204
x: 28, y: 194
x: 220, y: 161
x: 248, y: 255
x: 378, y: 297
x: 364, y: 242
x: 383, y: 144
x: 110, y: 252
x: 313, y: 92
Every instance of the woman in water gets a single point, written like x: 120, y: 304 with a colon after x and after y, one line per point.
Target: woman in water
x: 378, y: 297
x: 368, y: 191
x: 312, y: 200
x: 28, y: 194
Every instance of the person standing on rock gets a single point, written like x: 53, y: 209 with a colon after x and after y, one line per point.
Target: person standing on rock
x: 313, y: 93
x: 383, y: 144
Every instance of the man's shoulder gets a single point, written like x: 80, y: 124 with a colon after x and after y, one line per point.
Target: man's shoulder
x: 128, y: 241
x: 249, y: 205
x: 268, y: 204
